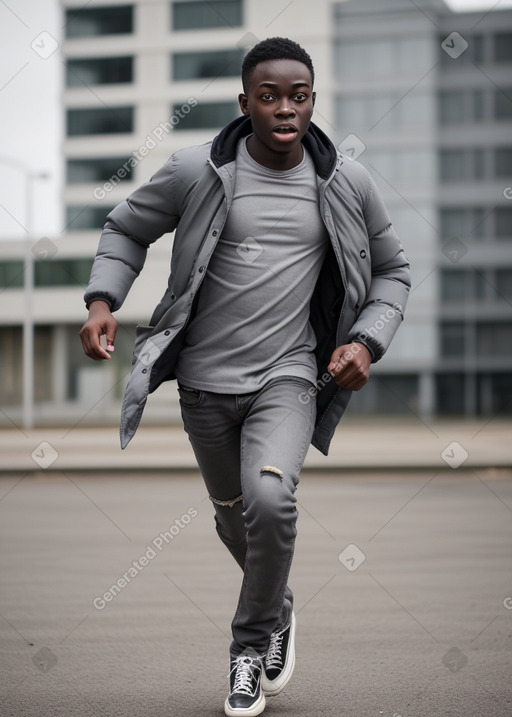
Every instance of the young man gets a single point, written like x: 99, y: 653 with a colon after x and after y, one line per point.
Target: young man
x: 287, y: 281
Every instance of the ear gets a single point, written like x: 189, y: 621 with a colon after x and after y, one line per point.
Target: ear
x: 313, y: 97
x: 243, y: 102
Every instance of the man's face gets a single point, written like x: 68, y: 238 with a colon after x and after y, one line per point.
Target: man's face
x: 280, y: 101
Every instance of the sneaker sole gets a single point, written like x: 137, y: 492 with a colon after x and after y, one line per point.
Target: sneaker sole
x: 256, y: 709
x: 271, y: 689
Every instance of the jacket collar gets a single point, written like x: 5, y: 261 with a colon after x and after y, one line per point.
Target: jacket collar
x: 315, y: 141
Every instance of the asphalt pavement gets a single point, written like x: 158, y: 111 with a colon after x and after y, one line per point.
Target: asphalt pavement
x: 117, y: 596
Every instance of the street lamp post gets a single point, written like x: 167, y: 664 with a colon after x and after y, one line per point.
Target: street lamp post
x: 28, y: 285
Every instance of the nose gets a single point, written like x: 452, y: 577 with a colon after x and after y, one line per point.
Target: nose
x: 284, y: 108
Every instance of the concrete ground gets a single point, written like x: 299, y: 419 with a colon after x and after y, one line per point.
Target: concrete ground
x: 402, y: 581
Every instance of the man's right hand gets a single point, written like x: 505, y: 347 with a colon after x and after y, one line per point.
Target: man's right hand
x: 100, y: 322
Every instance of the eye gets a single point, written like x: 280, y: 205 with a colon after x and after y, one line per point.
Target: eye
x: 267, y: 97
x: 300, y: 97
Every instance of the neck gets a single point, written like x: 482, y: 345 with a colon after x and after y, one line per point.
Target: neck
x: 274, y: 160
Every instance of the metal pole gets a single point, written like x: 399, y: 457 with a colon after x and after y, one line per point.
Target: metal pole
x: 28, y: 319
x: 28, y: 284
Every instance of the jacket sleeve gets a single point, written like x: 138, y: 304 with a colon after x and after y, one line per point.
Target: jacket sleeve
x: 131, y: 227
x: 383, y: 310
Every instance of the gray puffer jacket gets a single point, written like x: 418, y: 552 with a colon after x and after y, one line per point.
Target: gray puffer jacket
x: 360, y: 294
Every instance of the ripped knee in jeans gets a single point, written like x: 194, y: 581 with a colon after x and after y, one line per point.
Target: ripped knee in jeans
x: 273, y: 470
x: 226, y: 503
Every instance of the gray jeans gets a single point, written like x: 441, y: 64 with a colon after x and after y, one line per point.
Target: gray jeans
x: 250, y: 449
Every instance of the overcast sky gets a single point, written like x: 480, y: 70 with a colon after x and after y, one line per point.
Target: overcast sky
x: 30, y: 114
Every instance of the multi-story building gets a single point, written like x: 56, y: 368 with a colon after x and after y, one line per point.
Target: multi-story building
x: 419, y: 94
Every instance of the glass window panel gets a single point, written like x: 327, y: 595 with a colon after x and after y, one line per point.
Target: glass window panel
x: 99, y: 71
x: 104, y: 120
x: 366, y: 58
x: 414, y: 54
x: 503, y: 223
x: 88, y: 22
x: 503, y: 162
x: 452, y: 106
x: 479, y: 222
x: 474, y: 222
x: 454, y: 285
x: 86, y: 217
x: 494, y: 339
x: 11, y: 274
x: 351, y: 112
x: 476, y: 48
x: 416, y: 110
x: 503, y: 47
x: 504, y: 284
x: 477, y: 157
x: 213, y: 13
x: 481, y: 285
x: 96, y: 170
x: 207, y: 115
x: 503, y: 103
x: 453, y: 164
x: 452, y: 339
x: 214, y: 63
x: 11, y: 375
x: 478, y: 100
x: 453, y: 223
x: 62, y: 272
x: 450, y: 393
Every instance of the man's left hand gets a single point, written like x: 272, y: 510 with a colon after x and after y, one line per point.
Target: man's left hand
x: 350, y: 366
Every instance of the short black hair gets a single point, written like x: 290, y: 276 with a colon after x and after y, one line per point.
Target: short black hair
x: 275, y: 48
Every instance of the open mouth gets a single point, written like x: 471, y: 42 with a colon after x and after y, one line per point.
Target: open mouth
x: 285, y: 130
x: 285, y: 134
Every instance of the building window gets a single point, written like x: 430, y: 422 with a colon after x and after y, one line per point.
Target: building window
x: 80, y: 218
x: 461, y: 165
x: 99, y: 71
x: 452, y: 339
x: 383, y: 110
x: 62, y: 272
x: 503, y: 47
x: 11, y: 353
x: 454, y: 285
x: 503, y: 162
x: 503, y: 103
x: 96, y: 170
x: 450, y: 393
x: 363, y: 58
x: 469, y: 222
x: 215, y: 63
x: 104, y: 120
x: 206, y: 115
x: 11, y: 274
x: 473, y: 53
x: 504, y: 223
x: 456, y: 106
x: 503, y: 284
x: 90, y: 22
x: 494, y: 340
x: 196, y: 15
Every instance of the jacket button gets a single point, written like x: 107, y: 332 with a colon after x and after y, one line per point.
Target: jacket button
x: 357, y: 307
x: 214, y: 233
x: 201, y: 269
x: 144, y: 370
x: 362, y: 254
x: 166, y: 333
x: 173, y: 296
